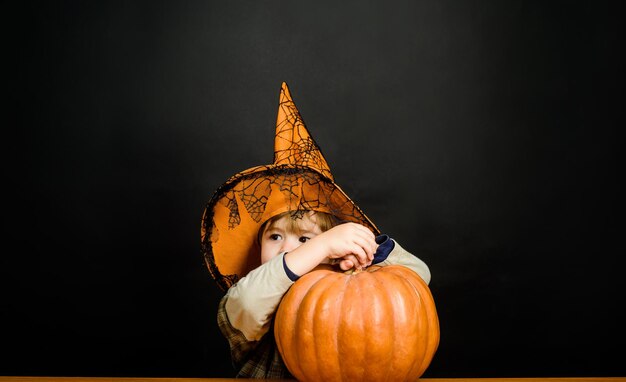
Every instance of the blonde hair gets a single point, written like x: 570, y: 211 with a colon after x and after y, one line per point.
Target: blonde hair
x: 323, y: 220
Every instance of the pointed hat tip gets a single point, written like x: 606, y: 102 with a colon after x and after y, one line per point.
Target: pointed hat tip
x: 285, y: 94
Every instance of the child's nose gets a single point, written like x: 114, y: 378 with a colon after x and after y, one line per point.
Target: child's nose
x: 290, y: 244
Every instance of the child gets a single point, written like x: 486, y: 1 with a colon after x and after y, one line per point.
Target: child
x: 269, y: 225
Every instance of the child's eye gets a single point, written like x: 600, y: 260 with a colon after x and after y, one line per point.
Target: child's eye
x: 275, y: 236
x: 304, y: 239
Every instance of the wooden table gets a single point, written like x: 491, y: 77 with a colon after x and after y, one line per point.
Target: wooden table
x: 134, y: 379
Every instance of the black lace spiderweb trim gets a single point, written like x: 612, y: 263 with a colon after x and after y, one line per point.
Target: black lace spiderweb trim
x: 254, y: 189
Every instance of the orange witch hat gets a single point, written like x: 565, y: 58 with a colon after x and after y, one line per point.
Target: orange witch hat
x: 298, y: 180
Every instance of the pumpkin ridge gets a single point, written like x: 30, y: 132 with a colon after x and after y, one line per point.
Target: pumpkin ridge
x: 287, y: 339
x: 394, y: 297
x: 351, y: 325
x: 422, y: 290
x: 310, y: 299
x: 422, y: 312
x: 323, y: 321
x: 420, y: 368
x: 432, y: 321
x: 388, y: 326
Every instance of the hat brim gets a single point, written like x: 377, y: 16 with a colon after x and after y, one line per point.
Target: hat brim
x: 237, y: 210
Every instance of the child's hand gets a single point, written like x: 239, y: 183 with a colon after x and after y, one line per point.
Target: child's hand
x: 350, y: 245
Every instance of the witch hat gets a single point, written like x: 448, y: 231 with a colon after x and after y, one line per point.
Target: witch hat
x: 299, y: 179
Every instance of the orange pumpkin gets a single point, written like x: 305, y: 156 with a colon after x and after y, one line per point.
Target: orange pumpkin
x: 380, y: 324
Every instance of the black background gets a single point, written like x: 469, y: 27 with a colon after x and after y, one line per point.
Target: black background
x: 482, y: 135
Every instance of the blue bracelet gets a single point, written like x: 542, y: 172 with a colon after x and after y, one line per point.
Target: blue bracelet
x: 385, y: 246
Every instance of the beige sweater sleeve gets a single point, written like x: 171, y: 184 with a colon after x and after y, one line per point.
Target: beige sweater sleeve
x: 399, y: 256
x: 253, y: 300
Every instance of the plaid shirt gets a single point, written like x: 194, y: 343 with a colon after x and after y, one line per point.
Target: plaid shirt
x: 252, y: 359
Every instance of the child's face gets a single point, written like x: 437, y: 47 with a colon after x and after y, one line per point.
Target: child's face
x: 285, y: 235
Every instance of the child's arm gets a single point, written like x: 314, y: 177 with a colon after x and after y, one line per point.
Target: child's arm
x: 252, y: 301
x: 350, y: 243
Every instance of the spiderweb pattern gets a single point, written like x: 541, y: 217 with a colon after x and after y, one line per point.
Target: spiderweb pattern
x: 299, y: 180
x: 302, y: 189
x: 293, y: 143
